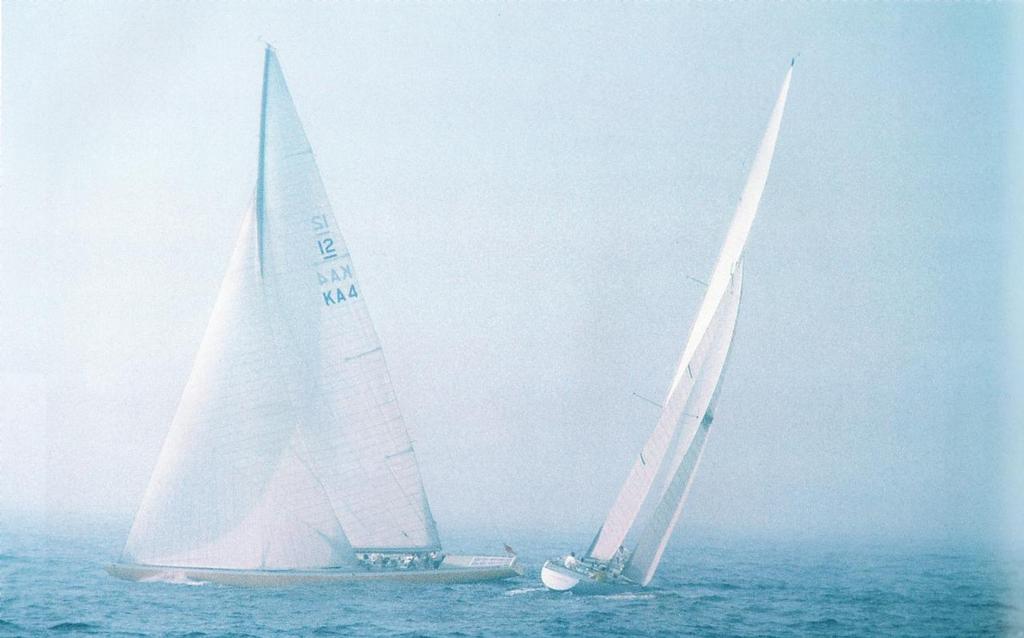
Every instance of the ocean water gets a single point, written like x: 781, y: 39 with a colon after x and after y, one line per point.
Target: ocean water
x: 53, y: 583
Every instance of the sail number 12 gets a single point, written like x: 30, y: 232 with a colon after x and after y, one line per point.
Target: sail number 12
x: 337, y: 292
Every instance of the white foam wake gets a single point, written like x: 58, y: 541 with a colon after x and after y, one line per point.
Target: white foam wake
x: 173, y: 577
x: 523, y: 590
x: 626, y: 596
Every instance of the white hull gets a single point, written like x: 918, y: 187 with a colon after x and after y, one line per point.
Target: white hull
x: 560, y: 578
x: 454, y: 569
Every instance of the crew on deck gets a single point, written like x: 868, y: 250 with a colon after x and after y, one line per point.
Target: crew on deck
x: 409, y: 560
x: 618, y: 561
x: 571, y: 562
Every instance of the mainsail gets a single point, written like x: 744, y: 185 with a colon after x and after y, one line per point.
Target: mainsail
x: 660, y: 476
x: 288, y: 449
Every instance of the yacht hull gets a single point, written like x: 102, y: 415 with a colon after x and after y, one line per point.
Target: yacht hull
x: 557, y: 577
x: 454, y: 569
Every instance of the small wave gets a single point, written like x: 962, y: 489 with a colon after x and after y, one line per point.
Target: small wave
x: 172, y: 577
x: 822, y: 623
x: 523, y: 590
x: 75, y: 626
x: 334, y: 630
x: 626, y: 596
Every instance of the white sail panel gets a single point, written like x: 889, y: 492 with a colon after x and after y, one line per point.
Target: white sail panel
x: 660, y: 457
x: 707, y: 366
x: 228, y: 490
x: 294, y: 542
x: 647, y: 470
x: 647, y: 467
x: 644, y: 561
x: 739, y: 229
x: 715, y: 348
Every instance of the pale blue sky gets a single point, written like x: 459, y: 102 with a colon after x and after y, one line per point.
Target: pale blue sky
x: 524, y: 189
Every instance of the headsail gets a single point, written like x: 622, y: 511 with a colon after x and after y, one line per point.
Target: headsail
x: 714, y: 352
x: 288, y: 448
x: 678, y: 421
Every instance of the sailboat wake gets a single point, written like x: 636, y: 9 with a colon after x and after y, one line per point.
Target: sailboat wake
x: 173, y: 577
x: 524, y: 590
x: 626, y: 596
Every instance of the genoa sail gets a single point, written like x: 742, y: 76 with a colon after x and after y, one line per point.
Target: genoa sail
x: 651, y: 498
x: 713, y: 352
x: 288, y: 449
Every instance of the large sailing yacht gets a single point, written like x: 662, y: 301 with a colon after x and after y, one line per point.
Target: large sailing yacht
x: 288, y: 459
x: 630, y: 543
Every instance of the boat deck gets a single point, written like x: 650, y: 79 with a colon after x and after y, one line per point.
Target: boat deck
x: 454, y: 569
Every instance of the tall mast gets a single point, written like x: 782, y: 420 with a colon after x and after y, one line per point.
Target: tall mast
x: 260, y: 174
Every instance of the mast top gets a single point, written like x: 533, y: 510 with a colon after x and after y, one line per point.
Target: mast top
x: 268, y: 46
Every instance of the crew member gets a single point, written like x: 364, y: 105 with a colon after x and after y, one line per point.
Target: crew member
x: 571, y: 562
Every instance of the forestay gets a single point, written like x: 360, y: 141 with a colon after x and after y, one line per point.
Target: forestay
x: 288, y: 448
x: 676, y: 419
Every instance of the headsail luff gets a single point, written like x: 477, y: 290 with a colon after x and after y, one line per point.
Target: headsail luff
x: 288, y: 447
x: 647, y: 468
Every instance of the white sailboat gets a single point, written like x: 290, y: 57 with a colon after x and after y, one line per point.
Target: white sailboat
x: 288, y: 459
x: 651, y: 500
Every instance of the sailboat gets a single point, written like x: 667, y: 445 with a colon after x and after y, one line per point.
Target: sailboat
x: 651, y: 500
x: 288, y: 459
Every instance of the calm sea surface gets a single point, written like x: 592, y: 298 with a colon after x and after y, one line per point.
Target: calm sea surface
x: 54, y: 584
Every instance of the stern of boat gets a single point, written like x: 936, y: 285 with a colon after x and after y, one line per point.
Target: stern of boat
x: 508, y: 565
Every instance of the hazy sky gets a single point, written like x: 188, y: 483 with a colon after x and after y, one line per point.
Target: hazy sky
x: 525, y: 190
